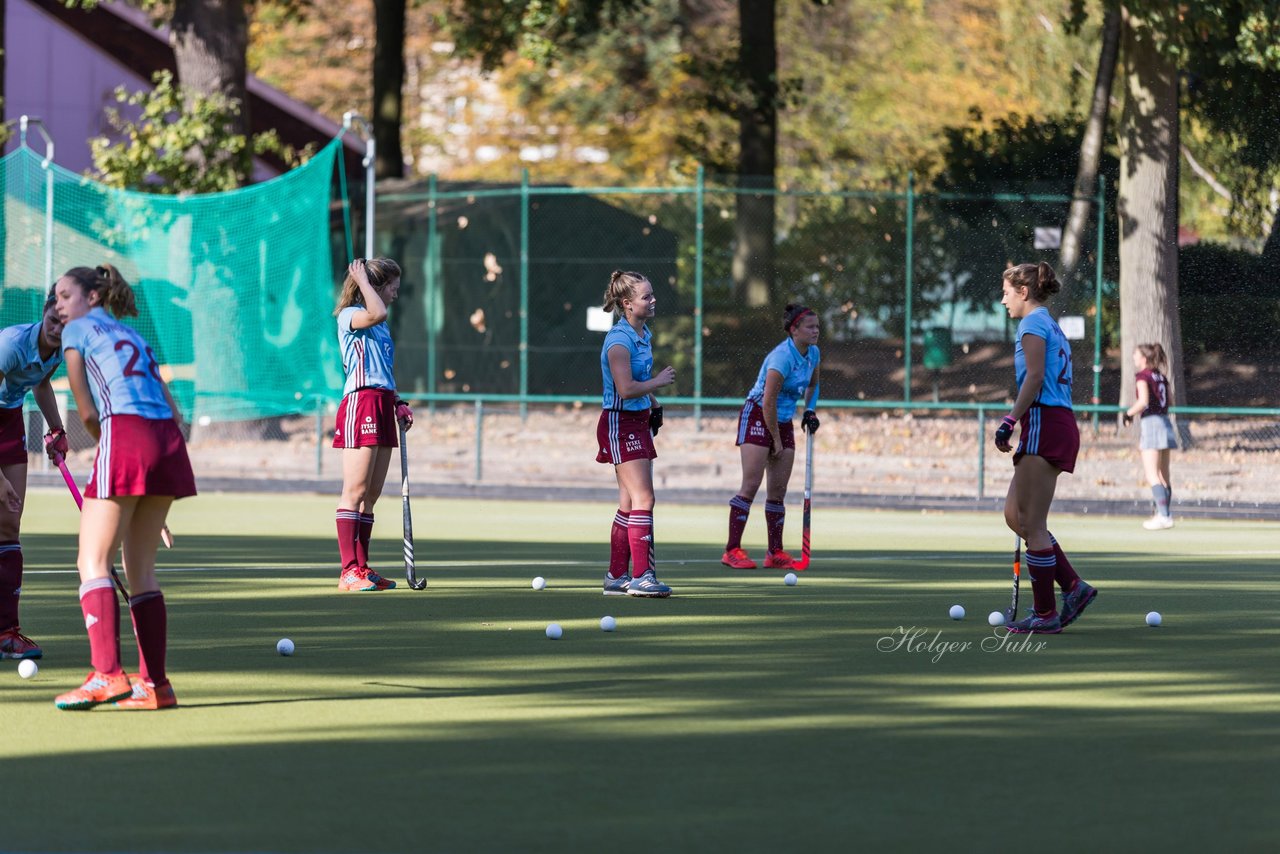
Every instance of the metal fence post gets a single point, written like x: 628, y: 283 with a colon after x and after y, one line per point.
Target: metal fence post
x: 1097, y: 298
x: 432, y: 264
x: 524, y: 294
x: 910, y: 260
x: 697, y: 302
x: 982, y: 452
x: 480, y: 439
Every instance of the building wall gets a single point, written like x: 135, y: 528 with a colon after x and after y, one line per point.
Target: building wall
x: 60, y: 78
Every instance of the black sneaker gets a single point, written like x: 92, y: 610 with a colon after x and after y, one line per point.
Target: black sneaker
x: 1074, y: 603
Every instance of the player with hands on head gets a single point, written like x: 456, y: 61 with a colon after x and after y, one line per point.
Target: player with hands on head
x: 766, y: 436
x: 1048, y: 445
x: 29, y: 354
x: 140, y: 467
x: 1156, y: 434
x: 629, y: 419
x: 366, y: 422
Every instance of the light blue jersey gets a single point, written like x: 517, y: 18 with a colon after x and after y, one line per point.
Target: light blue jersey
x: 641, y: 353
x: 796, y: 371
x: 368, y: 356
x: 21, y: 364
x: 123, y: 375
x: 1056, y: 388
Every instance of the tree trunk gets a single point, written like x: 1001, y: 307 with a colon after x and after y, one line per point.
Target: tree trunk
x: 1148, y: 207
x: 753, y: 256
x: 1090, y: 154
x: 388, y: 86
x: 210, y: 39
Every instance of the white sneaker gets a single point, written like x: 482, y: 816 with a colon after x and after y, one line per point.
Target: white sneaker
x: 1158, y: 523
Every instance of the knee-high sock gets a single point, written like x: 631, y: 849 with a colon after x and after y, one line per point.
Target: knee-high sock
x: 10, y: 583
x: 619, y: 545
x: 1065, y: 574
x: 1161, y: 496
x: 1042, y: 566
x: 102, y: 622
x: 348, y: 522
x: 362, y: 539
x: 739, y: 511
x: 775, y: 516
x: 150, y: 627
x: 640, y: 538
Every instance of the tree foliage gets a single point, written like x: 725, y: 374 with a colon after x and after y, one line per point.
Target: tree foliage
x: 176, y: 140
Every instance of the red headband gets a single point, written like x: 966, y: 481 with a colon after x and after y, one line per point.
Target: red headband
x: 799, y: 317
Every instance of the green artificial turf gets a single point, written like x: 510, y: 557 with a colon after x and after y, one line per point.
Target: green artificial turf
x: 740, y: 714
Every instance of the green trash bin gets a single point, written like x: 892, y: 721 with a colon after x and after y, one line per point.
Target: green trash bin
x: 937, y: 348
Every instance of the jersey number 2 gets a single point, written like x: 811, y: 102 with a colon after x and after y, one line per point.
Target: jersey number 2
x: 131, y: 367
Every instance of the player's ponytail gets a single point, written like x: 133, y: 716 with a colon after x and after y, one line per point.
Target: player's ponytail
x: 1039, y: 280
x: 622, y: 286
x: 1155, y: 356
x: 114, y: 293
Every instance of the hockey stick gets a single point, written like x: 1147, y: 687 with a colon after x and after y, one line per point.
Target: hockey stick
x: 75, y: 493
x: 1012, y: 613
x: 803, y: 563
x: 412, y: 577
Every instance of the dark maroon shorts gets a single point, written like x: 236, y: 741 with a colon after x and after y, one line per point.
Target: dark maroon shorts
x: 367, y: 417
x: 751, y: 429
x: 624, y: 436
x: 140, y: 456
x: 1049, y: 432
x: 13, y: 437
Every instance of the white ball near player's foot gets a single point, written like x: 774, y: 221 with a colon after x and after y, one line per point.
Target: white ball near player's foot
x: 27, y: 668
x: 995, y: 618
x: 539, y: 583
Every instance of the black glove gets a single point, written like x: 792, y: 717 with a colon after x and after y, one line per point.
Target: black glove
x: 1127, y: 418
x: 1004, y: 433
x: 655, y: 420
x: 809, y: 421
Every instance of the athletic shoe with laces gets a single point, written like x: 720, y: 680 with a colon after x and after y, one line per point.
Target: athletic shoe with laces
x: 616, y: 586
x: 779, y: 560
x: 97, y: 689
x: 14, y: 644
x: 1158, y: 523
x: 379, y: 581
x: 1074, y: 603
x: 356, y: 579
x: 1037, y: 625
x: 737, y: 559
x: 147, y: 696
x: 648, y: 586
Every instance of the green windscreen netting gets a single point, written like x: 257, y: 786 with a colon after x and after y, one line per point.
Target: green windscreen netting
x: 235, y: 290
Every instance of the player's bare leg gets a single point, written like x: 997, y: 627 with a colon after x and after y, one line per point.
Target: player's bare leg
x: 636, y: 477
x: 755, y: 459
x: 13, y: 644
x: 779, y: 475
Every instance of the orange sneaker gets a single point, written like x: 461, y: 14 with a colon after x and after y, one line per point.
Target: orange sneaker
x: 97, y: 689
x: 14, y: 644
x: 737, y: 558
x: 379, y: 581
x: 148, y: 696
x: 779, y: 560
x: 356, y: 579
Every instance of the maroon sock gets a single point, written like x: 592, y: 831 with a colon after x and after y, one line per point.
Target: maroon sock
x: 102, y: 621
x: 362, y: 539
x: 739, y: 511
x: 348, y: 535
x: 1042, y: 566
x: 10, y: 583
x: 150, y: 627
x: 775, y: 516
x: 1065, y: 574
x: 640, y: 538
x: 619, y: 545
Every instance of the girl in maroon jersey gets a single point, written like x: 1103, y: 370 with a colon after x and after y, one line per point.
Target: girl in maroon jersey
x: 1157, y: 438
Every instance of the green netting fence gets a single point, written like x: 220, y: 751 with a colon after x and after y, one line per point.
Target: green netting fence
x: 235, y: 290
